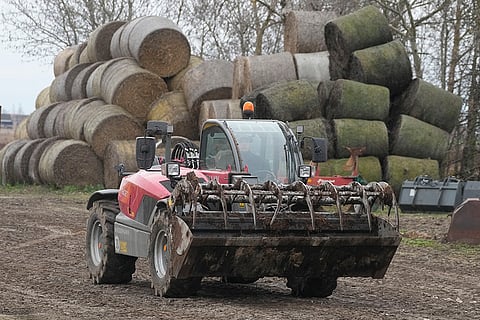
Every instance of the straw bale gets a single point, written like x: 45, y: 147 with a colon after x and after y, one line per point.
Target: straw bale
x: 99, y: 41
x: 118, y: 152
x: 39, y: 150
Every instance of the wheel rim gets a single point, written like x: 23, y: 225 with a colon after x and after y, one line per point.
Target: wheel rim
x: 160, y: 254
x: 96, y: 245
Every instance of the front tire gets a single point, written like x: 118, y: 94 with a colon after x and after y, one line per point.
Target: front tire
x: 104, y: 265
x: 160, y: 260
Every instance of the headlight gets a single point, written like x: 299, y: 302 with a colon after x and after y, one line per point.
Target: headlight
x: 304, y: 171
x: 172, y: 169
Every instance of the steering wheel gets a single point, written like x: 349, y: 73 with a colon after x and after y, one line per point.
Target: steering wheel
x: 265, y: 175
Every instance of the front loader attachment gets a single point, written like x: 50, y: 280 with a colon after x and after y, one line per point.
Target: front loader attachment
x: 465, y: 224
x: 309, y: 234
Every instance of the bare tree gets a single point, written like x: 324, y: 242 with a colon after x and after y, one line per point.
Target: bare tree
x: 41, y: 28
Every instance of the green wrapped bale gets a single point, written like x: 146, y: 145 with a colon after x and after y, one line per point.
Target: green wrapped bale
x: 288, y: 101
x: 361, y: 29
x: 318, y: 128
x: 397, y: 169
x: 324, y: 89
x: 414, y: 138
x: 429, y: 103
x: 386, y: 65
x: 371, y: 134
x: 369, y: 168
x: 356, y: 100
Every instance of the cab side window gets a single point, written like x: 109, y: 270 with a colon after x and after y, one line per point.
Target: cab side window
x: 216, y: 152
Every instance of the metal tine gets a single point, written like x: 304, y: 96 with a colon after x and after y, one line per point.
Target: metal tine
x: 334, y: 194
x: 221, y: 194
x: 272, y: 186
x: 364, y: 199
x: 306, y: 190
x: 248, y: 191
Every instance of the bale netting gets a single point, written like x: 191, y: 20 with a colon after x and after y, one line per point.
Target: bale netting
x: 115, y: 43
x: 118, y: 152
x: 317, y: 128
x: 415, y: 138
x: 312, y: 66
x: 305, y: 31
x: 75, y: 119
x: 210, y: 80
x: 175, y: 83
x: 22, y: 159
x: 288, y: 101
x: 356, y: 100
x: 361, y: 29
x: 61, y: 87
x: 70, y: 163
x: 387, y: 65
x: 426, y: 102
x: 36, y: 122
x: 219, y: 109
x: 239, y: 84
x: 110, y: 122
x: 39, y: 150
x: 369, y: 168
x: 75, y: 58
x: 266, y: 69
x: 397, y: 169
x: 131, y: 87
x: 158, y: 45
x: 79, y: 85
x: 61, y: 60
x: 98, y: 48
x: 43, y: 98
x: 7, y: 161
x: 51, y: 118
x: 353, y: 133
x: 172, y: 107
x: 93, y: 85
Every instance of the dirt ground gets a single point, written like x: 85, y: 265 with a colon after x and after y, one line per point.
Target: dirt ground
x: 43, y: 275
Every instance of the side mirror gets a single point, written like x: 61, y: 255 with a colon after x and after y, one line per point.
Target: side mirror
x: 319, y: 152
x: 145, y: 152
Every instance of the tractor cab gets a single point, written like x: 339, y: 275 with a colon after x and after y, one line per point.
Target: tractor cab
x: 265, y: 149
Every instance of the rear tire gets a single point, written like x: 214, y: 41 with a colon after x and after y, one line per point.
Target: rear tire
x: 320, y: 287
x: 160, y: 262
x: 104, y: 265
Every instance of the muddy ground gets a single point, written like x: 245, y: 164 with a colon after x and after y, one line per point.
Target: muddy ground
x: 43, y: 275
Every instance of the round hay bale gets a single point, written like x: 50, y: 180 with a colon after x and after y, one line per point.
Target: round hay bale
x: 312, y: 66
x: 397, y: 169
x: 75, y: 58
x: 43, y: 98
x: 361, y: 29
x: 429, y: 103
x: 77, y: 116
x: 158, y: 45
x: 239, y: 84
x: 84, y: 56
x: 21, y: 130
x: 22, y: 159
x: 61, y: 87
x: 305, y: 31
x: 127, y: 85
x: 70, y: 163
x: 288, y: 101
x: 62, y: 60
x: 266, y: 69
x: 369, y: 168
x: 36, y: 122
x: 210, y: 80
x: 417, y: 139
x: 38, y: 151
x: 175, y: 82
x: 118, y: 152
x: 372, y: 135
x: 7, y: 162
x: 62, y: 121
x: 172, y: 108
x: 110, y: 122
x: 51, y: 118
x: 93, y: 85
x: 317, y: 128
x: 218, y: 109
x: 115, y: 43
x: 324, y: 90
x: 387, y: 65
x: 79, y: 85
x: 99, y: 41
x: 356, y: 100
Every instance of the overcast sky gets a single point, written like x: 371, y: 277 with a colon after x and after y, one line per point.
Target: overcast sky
x: 21, y: 81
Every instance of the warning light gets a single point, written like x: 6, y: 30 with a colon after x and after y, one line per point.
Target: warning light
x: 248, y: 109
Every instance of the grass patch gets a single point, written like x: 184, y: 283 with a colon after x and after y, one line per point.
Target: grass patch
x: 75, y: 191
